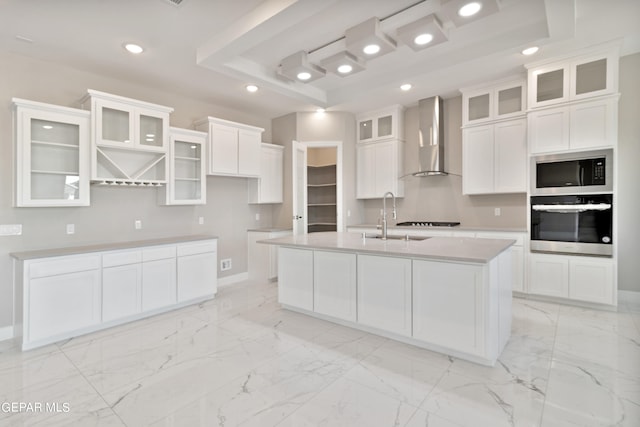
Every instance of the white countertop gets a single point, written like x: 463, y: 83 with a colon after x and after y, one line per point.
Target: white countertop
x: 456, y: 228
x: 270, y: 229
x: 74, y: 250
x: 463, y: 249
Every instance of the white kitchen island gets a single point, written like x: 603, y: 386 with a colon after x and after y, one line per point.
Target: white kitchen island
x: 447, y: 294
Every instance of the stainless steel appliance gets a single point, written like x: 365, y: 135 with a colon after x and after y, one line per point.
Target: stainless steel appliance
x: 427, y: 224
x: 572, y: 173
x: 575, y: 224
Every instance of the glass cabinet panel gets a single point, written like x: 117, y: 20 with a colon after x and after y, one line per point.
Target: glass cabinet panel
x: 591, y: 76
x: 151, y: 131
x: 366, y: 129
x: 385, y: 126
x: 187, y: 171
x: 115, y: 125
x: 510, y: 100
x: 550, y: 85
x: 479, y: 107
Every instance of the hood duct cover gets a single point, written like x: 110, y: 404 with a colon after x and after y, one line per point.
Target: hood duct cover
x: 430, y: 137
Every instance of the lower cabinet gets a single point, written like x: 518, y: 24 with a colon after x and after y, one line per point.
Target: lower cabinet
x: 295, y: 278
x: 579, y: 278
x: 334, y: 284
x: 159, y: 283
x: 384, y: 293
x: 121, y: 291
x: 197, y: 266
x: 447, y: 305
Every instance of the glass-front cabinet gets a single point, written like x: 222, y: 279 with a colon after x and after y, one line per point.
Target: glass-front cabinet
x: 498, y: 100
x: 52, y: 154
x: 381, y: 124
x: 187, y: 181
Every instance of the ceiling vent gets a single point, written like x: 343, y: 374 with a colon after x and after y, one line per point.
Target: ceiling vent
x: 174, y: 2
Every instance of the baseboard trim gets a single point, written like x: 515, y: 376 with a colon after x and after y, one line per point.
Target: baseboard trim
x: 229, y: 280
x: 6, y: 333
x: 628, y: 296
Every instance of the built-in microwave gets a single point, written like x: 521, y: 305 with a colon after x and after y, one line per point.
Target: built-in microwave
x: 572, y: 173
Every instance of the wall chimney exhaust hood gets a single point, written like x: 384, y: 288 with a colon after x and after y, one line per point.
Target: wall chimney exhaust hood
x: 430, y: 137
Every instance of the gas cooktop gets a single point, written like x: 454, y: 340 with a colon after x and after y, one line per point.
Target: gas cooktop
x: 427, y: 224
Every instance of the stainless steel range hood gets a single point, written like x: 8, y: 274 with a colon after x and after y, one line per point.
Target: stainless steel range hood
x: 430, y: 137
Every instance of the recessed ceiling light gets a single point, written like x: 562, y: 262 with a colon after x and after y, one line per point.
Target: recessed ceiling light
x: 252, y: 88
x: 423, y: 39
x: 406, y: 86
x: 530, y: 50
x: 470, y: 9
x: 371, y: 49
x: 304, y: 75
x: 149, y: 139
x: 133, y: 48
x: 344, y: 69
x: 149, y: 135
x: 47, y: 127
x: 320, y: 110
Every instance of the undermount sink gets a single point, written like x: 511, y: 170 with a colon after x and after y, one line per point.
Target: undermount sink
x: 406, y: 237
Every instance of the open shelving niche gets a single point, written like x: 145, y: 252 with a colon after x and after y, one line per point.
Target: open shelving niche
x: 322, y: 198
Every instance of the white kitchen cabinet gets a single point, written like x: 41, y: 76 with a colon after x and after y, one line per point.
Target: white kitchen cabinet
x: 187, y: 183
x: 494, y: 158
x: 233, y: 148
x: 158, y: 277
x: 129, y: 140
x: 121, y: 291
x: 578, y: 126
x: 579, y: 278
x: 384, y: 293
x: 386, y: 123
x: 52, y: 148
x: 262, y: 259
x: 448, y: 309
x: 494, y: 101
x: 586, y: 76
x: 334, y: 284
x: 197, y: 270
x: 379, y: 168
x: 295, y: 278
x: 269, y: 187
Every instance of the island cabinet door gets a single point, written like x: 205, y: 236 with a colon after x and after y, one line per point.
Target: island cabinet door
x: 334, y: 284
x: 384, y: 293
x: 448, y: 305
x: 295, y: 278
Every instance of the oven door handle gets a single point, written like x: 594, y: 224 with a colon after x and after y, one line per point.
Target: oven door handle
x: 572, y: 208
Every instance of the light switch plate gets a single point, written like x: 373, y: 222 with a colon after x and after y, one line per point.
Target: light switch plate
x: 138, y: 224
x: 10, y: 229
x: 71, y: 228
x: 201, y: 220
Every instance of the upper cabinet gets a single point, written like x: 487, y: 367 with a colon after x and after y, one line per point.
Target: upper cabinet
x: 52, y: 155
x: 269, y: 188
x: 500, y: 100
x: 187, y: 180
x: 130, y: 140
x: 234, y: 148
x: 379, y: 168
x: 381, y: 124
x: 573, y: 79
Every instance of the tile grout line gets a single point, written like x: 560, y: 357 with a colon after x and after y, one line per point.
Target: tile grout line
x: 553, y: 350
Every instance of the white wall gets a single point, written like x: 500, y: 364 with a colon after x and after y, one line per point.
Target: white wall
x: 112, y: 212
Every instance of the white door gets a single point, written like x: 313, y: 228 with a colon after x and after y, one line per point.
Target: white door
x: 299, y: 180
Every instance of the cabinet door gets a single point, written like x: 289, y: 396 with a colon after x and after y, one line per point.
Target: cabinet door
x: 510, y: 156
x: 448, y: 307
x: 549, y: 275
x: 187, y: 180
x: 152, y: 129
x: 366, y: 171
x: 365, y: 129
x: 549, y: 130
x: 334, y: 284
x: 271, y: 176
x: 223, y: 150
x: 248, y: 153
x: 548, y: 85
x: 477, y: 106
x: 509, y: 100
x: 478, y: 160
x: 158, y: 284
x: 593, y: 124
x: 63, y: 303
x: 197, y: 276
x: 115, y: 124
x: 592, y: 279
x: 386, y: 172
x: 121, y: 291
x: 384, y: 293
x: 594, y: 75
x: 295, y: 278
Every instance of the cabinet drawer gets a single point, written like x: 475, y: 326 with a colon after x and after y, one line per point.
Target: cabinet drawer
x: 158, y: 252
x: 197, y: 248
x: 63, y: 265
x: 111, y: 259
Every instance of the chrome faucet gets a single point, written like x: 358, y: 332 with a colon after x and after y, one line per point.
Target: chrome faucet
x: 384, y: 213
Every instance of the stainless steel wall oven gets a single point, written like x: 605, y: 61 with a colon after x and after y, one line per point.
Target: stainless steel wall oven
x: 575, y: 224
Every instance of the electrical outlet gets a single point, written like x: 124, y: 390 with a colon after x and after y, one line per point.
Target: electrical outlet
x: 258, y: 217
x: 497, y: 212
x: 138, y: 224
x: 225, y: 264
x: 348, y: 213
x: 201, y: 220
x: 10, y: 229
x: 71, y: 228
